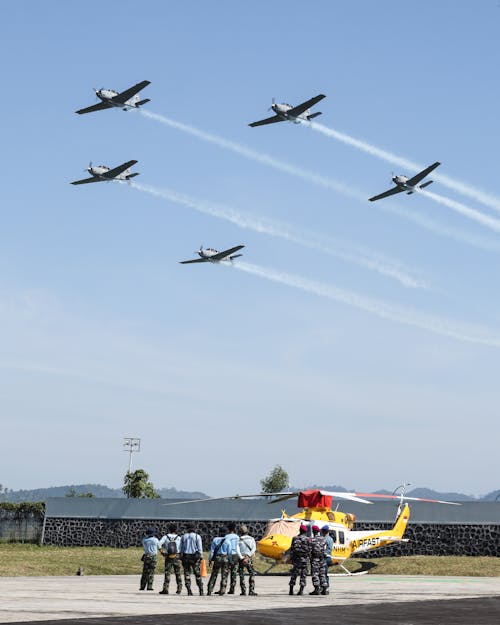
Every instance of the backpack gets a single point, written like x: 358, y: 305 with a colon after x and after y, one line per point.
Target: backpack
x: 171, y: 549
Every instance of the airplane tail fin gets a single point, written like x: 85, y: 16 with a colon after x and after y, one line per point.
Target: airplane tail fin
x: 141, y: 102
x: 426, y: 184
x: 313, y: 115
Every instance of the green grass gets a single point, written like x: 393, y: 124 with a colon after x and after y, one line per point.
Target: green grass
x: 18, y: 559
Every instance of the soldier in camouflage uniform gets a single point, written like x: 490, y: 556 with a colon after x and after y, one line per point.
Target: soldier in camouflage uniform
x: 232, y: 538
x: 246, y: 550
x: 300, y: 554
x: 191, y: 554
x: 150, y: 544
x: 170, y: 548
x: 219, y: 549
x: 318, y: 557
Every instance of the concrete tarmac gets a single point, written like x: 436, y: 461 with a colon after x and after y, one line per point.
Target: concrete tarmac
x: 113, y: 600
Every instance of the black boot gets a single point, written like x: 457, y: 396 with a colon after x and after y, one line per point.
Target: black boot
x: 190, y: 592
x: 290, y: 592
x: 301, y: 590
x: 252, y: 593
x: 316, y: 591
x: 324, y: 590
x: 163, y: 592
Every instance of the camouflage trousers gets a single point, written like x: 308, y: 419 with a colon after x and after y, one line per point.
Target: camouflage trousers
x: 191, y: 564
x: 319, y: 578
x: 233, y: 572
x: 299, y: 569
x: 246, y: 566
x: 219, y: 564
x: 148, y: 572
x: 172, y: 565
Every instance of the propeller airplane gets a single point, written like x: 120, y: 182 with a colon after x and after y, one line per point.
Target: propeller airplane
x: 287, y: 112
x: 408, y: 185
x: 209, y: 255
x: 102, y: 173
x: 125, y: 100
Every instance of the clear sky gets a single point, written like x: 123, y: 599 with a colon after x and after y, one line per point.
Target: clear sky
x: 356, y: 343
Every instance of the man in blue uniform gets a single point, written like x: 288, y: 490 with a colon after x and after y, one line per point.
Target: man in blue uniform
x: 150, y: 544
x: 325, y: 531
x: 191, y: 554
x: 219, y: 550
x: 232, y: 538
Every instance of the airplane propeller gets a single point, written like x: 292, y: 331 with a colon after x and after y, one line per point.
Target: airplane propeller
x: 89, y: 167
x: 273, y: 103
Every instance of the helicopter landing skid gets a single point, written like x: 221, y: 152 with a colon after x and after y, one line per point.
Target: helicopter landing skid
x: 364, y: 570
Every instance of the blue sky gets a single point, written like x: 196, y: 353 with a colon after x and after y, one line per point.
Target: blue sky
x: 224, y: 373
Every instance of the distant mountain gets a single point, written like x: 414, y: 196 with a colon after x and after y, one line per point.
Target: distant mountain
x: 428, y: 493
x: 97, y: 490
x: 493, y: 496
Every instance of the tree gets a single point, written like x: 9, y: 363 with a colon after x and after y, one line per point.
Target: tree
x: 72, y: 493
x: 136, y: 485
x: 276, y: 481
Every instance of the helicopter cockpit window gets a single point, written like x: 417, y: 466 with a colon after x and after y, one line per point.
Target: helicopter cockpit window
x: 333, y: 534
x: 341, y: 537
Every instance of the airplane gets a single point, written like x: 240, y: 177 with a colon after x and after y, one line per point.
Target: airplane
x: 209, y: 255
x: 316, y: 507
x: 287, y: 112
x: 410, y: 185
x: 102, y: 173
x: 124, y: 100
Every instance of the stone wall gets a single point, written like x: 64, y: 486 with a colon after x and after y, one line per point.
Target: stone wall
x: 440, y: 540
x: 127, y: 532
x: 424, y: 539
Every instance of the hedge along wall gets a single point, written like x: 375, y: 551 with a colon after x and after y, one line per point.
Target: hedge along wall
x: 424, y: 538
x: 21, y: 522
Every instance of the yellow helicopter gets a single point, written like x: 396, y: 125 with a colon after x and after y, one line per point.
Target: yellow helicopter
x: 317, y: 510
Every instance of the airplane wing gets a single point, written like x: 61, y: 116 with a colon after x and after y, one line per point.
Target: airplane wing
x: 386, y: 194
x: 301, y: 108
x: 112, y: 173
x: 128, y: 93
x: 96, y: 107
x: 87, y: 180
x: 196, y: 260
x: 226, y: 253
x: 268, y: 120
x: 425, y: 172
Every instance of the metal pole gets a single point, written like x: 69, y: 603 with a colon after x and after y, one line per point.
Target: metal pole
x: 131, y: 445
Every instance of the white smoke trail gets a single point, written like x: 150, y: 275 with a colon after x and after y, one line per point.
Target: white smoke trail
x: 471, y: 213
x: 441, y: 229
x: 359, y: 256
x: 437, y: 325
x: 456, y: 185
x: 318, y: 180
x: 265, y: 159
